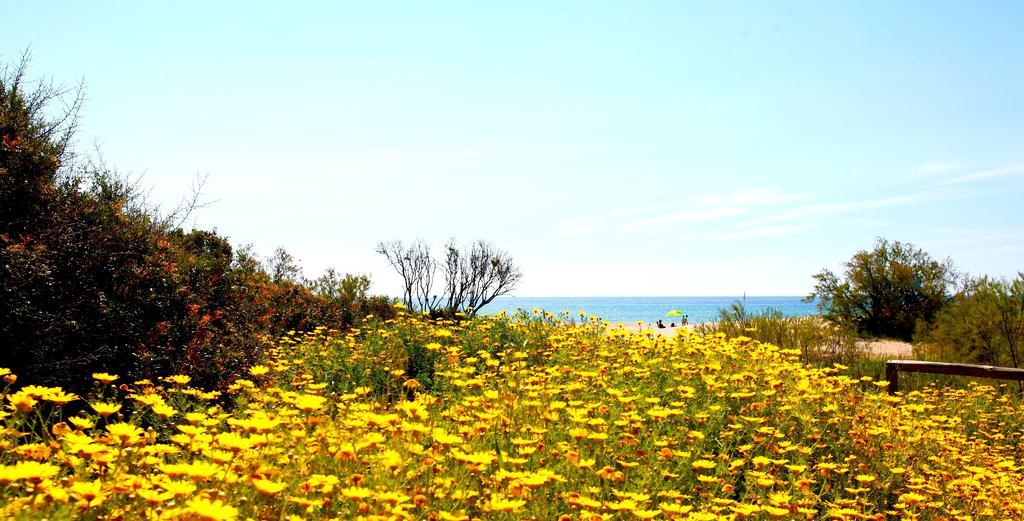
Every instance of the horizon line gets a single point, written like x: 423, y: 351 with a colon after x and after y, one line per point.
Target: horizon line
x: 650, y: 296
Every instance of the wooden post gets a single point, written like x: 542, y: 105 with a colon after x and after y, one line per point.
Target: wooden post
x: 893, y: 367
x: 892, y: 375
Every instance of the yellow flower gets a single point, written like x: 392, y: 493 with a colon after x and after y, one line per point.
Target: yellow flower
x: 647, y: 514
x: 703, y: 464
x: 356, y: 493
x: 626, y: 505
x: 22, y: 401
x: 32, y: 471
x: 476, y: 458
x: 259, y: 370
x: 500, y: 504
x: 104, y: 377
x: 268, y: 487
x: 105, y: 409
x: 779, y: 498
x: 196, y: 470
x: 125, y: 433
x: 234, y: 442
x: 36, y: 451
x: 442, y: 437
x: 81, y: 423
x: 392, y: 497
x: 912, y: 498
x: 310, y: 402
x: 321, y: 483
x: 154, y: 497
x: 88, y: 494
x: 207, y: 510
x: 164, y: 411
x: 177, y: 488
x: 59, y: 397
x: 60, y: 429
x: 865, y: 478
x: 178, y: 379
x: 745, y: 509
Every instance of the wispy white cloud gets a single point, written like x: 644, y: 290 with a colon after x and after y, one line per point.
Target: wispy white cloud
x: 755, y: 213
x: 762, y: 231
x: 862, y: 222
x: 579, y: 226
x: 974, y: 236
x: 703, y: 214
x: 638, y: 210
x: 819, y: 210
x: 701, y: 208
x: 1007, y: 170
x: 747, y: 198
x: 1010, y: 248
x: 942, y: 167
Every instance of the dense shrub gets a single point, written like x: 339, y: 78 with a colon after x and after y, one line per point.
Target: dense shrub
x: 93, y: 279
x: 80, y: 271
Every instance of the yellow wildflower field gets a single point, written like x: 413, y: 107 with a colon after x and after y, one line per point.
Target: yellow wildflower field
x: 526, y: 417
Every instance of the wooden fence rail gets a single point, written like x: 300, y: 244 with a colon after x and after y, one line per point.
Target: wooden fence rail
x: 894, y: 367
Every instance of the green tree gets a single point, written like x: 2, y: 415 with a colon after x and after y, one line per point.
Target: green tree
x: 982, y: 324
x: 886, y: 291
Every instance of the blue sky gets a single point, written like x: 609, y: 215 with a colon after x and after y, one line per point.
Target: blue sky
x: 613, y: 148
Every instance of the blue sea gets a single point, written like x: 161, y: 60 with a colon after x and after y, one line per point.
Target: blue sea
x: 650, y: 309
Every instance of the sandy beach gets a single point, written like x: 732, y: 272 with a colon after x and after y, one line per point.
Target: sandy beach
x: 654, y: 329
x: 888, y: 349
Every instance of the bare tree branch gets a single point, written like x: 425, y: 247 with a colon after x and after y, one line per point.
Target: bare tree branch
x: 473, y: 277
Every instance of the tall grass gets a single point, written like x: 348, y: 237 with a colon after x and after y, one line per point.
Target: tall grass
x: 817, y: 340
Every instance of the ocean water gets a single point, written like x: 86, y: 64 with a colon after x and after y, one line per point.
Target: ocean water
x: 650, y: 309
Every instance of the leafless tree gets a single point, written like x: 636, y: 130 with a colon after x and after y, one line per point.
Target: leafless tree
x: 473, y: 277
x: 424, y: 270
x: 453, y: 276
x: 486, y: 273
x: 416, y: 266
